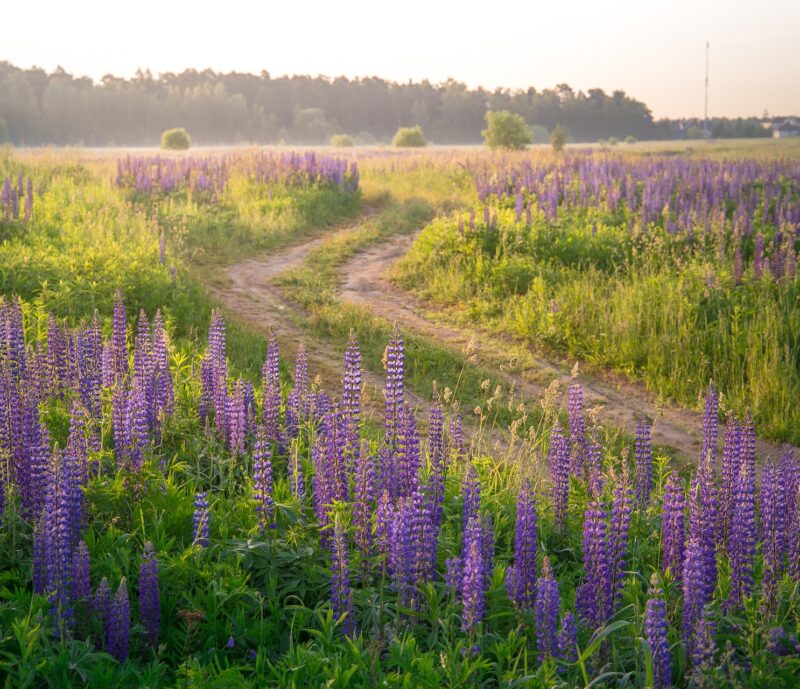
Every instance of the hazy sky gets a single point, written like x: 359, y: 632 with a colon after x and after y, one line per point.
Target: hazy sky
x: 655, y: 51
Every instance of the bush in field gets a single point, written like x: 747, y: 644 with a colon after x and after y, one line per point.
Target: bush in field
x: 506, y: 129
x: 558, y: 138
x: 409, y: 137
x: 630, y: 139
x: 342, y: 140
x: 175, y: 139
x: 3, y: 131
x: 613, y: 141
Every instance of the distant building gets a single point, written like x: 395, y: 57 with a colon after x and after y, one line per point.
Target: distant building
x: 789, y: 127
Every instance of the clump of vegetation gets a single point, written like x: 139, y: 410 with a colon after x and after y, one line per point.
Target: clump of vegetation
x: 630, y: 139
x: 342, y: 141
x: 175, y: 139
x: 409, y: 137
x: 505, y: 129
x: 558, y: 138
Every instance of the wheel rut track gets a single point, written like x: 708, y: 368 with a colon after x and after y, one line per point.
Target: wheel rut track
x: 621, y: 401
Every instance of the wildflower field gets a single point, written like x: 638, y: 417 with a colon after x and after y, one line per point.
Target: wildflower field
x: 183, y: 503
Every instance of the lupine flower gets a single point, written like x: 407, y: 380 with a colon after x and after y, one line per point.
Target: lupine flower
x: 81, y: 564
x: 773, y: 527
x: 272, y: 391
x: 644, y: 462
x: 262, y: 479
x: 673, y: 533
x: 341, y: 593
x: 597, y: 593
x: 201, y: 519
x: 559, y: 459
x: 743, y: 537
x: 731, y: 468
x: 655, y: 626
x: 618, y: 529
x: 568, y: 638
x: 363, y: 497
x: 710, y: 425
x: 394, y: 392
x: 523, y: 572
x: 473, y: 595
x: 548, y: 602
x: 351, y: 397
x: 471, y: 490
x: 704, y: 646
x: 119, y: 339
x: 118, y: 629
x: 577, y: 430
x: 149, y: 602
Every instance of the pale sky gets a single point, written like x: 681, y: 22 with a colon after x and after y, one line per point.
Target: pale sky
x: 655, y: 51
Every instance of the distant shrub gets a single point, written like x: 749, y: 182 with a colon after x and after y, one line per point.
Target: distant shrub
x: 602, y: 142
x: 558, y: 138
x: 505, y: 129
x: 175, y: 139
x: 694, y: 132
x: 409, y: 137
x: 630, y: 139
x: 3, y: 131
x: 342, y: 140
x: 612, y: 141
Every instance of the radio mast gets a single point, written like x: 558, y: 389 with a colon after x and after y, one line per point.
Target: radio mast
x: 706, y: 133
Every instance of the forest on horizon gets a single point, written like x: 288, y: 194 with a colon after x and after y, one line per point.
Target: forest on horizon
x: 40, y: 108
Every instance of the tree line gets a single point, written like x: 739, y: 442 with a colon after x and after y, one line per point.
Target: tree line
x: 58, y: 108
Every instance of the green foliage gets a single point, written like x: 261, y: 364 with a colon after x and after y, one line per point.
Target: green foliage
x: 506, y: 130
x: 409, y: 137
x: 3, y: 131
x: 694, y: 132
x: 558, y: 138
x: 175, y: 139
x: 342, y: 141
x: 630, y: 139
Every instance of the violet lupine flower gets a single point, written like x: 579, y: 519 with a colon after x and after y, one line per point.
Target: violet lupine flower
x: 559, y: 459
x: 548, y: 603
x: 695, y: 586
x: 773, y: 527
x: 618, y: 530
x: 101, y: 607
x: 271, y: 391
x: 436, y: 459
x: 394, y: 392
x: 363, y: 497
x: 743, y: 537
x: 577, y: 430
x: 236, y: 414
x: 522, y: 574
x: 297, y: 408
x: 384, y: 516
x: 731, y: 468
x: 568, y: 638
x: 351, y: 397
x: 704, y: 520
x: 456, y: 436
x: 471, y: 490
x: 673, y: 534
x: 473, y: 583
x: 165, y: 392
x: 596, y: 593
x: 149, y: 603
x: 655, y: 627
x: 644, y: 462
x: 118, y: 630
x: 81, y: 566
x: 262, y: 480
x: 710, y: 425
x: 409, y: 560
x: 201, y: 519
x: 704, y: 645
x: 119, y: 340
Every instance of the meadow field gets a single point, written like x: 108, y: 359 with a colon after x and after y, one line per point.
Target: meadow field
x: 362, y: 418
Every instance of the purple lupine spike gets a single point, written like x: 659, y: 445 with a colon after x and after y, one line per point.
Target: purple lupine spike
x: 80, y: 576
x: 523, y: 571
x: 456, y: 437
x: 363, y: 498
x: 137, y: 433
x: 644, y: 462
x: 384, y: 515
x: 731, y: 467
x: 710, y: 425
x: 201, y: 519
x: 297, y: 405
x: 262, y: 479
x: 237, y: 419
x: 748, y: 448
x: 101, y: 607
x: 394, y: 392
x: 673, y: 532
x: 773, y: 526
x: 655, y: 626
x: 704, y: 645
x: 118, y: 629
x: 597, y: 593
x: 548, y: 603
x: 149, y: 602
x: 619, y: 526
x: 568, y: 638
x: 164, y: 388
x: 743, y: 537
x: 436, y: 460
x: 695, y: 586
x: 559, y: 460
x: 703, y: 522
x: 341, y: 593
x: 351, y: 396
x: 577, y: 430
x: 471, y: 490
x: 272, y: 391
x: 119, y: 339
x: 473, y: 583
x: 408, y: 458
